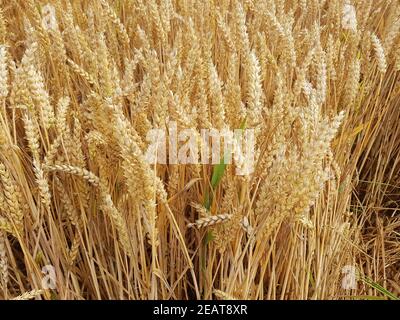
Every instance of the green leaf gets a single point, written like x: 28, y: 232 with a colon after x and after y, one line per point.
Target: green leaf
x: 207, y: 201
x: 209, y: 237
x: 366, y: 298
x: 379, y: 288
x: 218, y: 173
x: 243, y: 124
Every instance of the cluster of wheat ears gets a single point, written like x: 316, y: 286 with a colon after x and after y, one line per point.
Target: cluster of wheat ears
x: 83, y: 82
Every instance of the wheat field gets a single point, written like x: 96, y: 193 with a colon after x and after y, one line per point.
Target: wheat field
x: 85, y: 215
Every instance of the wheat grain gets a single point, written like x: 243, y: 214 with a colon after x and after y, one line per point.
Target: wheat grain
x: 3, y: 260
x: 379, y: 53
x: 3, y: 72
x: 6, y: 226
x: 85, y: 174
x: 223, y: 295
x: 29, y: 295
x: 210, y: 221
x: 12, y: 197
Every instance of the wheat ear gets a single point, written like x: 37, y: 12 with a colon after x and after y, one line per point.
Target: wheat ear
x: 210, y: 221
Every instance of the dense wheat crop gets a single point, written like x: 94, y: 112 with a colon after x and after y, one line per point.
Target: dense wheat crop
x: 84, y: 214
